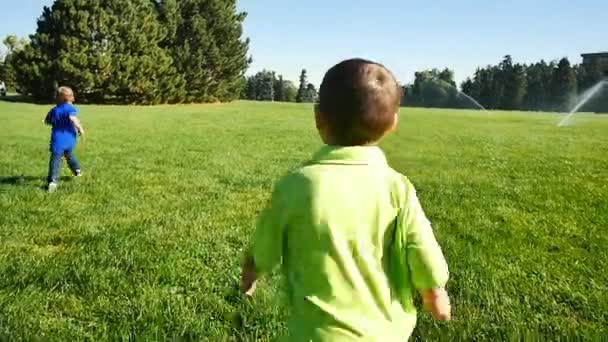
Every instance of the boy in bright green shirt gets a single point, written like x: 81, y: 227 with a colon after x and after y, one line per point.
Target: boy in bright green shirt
x: 349, y: 231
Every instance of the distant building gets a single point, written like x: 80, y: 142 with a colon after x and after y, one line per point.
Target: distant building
x: 589, y: 58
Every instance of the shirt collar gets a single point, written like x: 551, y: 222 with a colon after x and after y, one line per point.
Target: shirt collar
x: 350, y: 155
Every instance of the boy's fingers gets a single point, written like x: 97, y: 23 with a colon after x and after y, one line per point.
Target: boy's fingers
x: 247, y: 286
x: 249, y: 293
x: 442, y: 313
x: 437, y: 302
x: 248, y: 277
x: 443, y: 310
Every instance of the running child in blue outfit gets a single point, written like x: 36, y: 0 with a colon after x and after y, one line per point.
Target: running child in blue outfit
x: 66, y: 126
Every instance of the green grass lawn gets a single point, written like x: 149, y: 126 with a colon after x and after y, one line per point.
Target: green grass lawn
x: 147, y: 245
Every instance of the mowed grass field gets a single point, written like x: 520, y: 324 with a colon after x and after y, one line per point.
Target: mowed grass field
x: 147, y: 245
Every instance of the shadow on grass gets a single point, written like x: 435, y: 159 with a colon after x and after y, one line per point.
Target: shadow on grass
x: 17, y: 98
x: 107, y: 100
x: 26, y: 181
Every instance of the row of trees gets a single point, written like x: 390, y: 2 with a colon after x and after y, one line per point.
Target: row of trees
x: 267, y: 86
x: 11, y: 44
x: 434, y: 88
x: 135, y: 51
x: 159, y: 51
x: 541, y: 86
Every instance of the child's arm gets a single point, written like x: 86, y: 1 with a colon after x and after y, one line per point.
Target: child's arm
x: 425, y: 260
x: 437, y: 302
x: 248, y: 276
x: 77, y: 124
x: 266, y: 251
x: 47, y: 119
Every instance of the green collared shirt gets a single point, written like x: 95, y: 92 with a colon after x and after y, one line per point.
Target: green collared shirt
x: 354, y: 245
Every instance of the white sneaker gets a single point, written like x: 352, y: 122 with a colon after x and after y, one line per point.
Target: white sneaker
x: 52, y: 187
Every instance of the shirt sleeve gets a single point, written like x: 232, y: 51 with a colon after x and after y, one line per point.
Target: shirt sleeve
x: 267, y: 245
x: 48, y: 119
x: 72, y: 111
x: 427, y: 266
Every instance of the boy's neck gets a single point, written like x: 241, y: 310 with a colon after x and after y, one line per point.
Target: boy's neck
x: 374, y: 144
x: 332, y: 142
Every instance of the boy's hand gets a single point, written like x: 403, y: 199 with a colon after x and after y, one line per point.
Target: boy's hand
x: 437, y: 302
x: 77, y: 125
x: 248, y: 277
x: 248, y: 283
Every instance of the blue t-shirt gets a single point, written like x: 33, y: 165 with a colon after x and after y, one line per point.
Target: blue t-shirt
x: 63, y: 134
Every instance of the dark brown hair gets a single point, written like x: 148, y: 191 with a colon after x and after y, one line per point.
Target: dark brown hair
x: 358, y: 100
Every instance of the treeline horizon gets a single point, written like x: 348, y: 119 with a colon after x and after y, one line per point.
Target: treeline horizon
x: 541, y: 86
x: 170, y: 51
x: 266, y: 85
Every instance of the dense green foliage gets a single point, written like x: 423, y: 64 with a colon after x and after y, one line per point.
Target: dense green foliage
x: 261, y: 87
x: 265, y: 85
x: 511, y: 86
x: 433, y: 88
x: 306, y: 91
x: 204, y: 39
x: 539, y: 86
x: 12, y: 44
x: 147, y: 245
x: 138, y: 51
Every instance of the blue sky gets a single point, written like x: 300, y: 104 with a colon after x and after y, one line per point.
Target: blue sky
x: 407, y: 36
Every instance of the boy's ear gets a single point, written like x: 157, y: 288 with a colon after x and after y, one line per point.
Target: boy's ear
x: 319, y: 118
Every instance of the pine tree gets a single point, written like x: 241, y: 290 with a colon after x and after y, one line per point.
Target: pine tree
x: 261, y: 86
x: 563, y: 85
x: 472, y: 87
x: 311, y: 93
x: 206, y: 46
x: 467, y: 86
x: 279, y: 89
x: 447, y: 83
x: 250, y: 88
x: 289, y: 91
x: 497, y: 87
x: 266, y: 91
x: 3, y: 71
x: 301, y: 96
x: 416, y: 93
x: 433, y: 88
x: 447, y: 76
x: 537, y: 87
x: 168, y: 15
x: 540, y: 93
x: 13, y: 44
x: 588, y: 75
x: 514, y: 84
x: 103, y: 49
